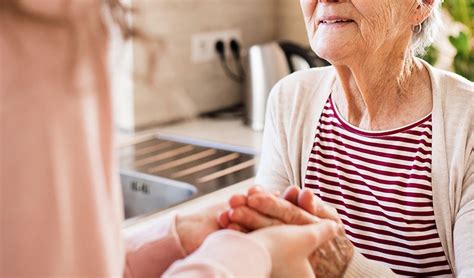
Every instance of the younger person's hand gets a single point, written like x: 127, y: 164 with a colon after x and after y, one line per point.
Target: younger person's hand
x: 290, y: 246
x: 193, y: 228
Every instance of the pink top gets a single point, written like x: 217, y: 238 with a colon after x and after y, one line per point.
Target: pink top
x: 380, y: 184
x: 61, y: 207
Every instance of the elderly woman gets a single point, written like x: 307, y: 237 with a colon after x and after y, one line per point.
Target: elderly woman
x: 380, y: 136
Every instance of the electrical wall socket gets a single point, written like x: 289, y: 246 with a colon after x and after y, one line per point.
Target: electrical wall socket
x: 203, y: 44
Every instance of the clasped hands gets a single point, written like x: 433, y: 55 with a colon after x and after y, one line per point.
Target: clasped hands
x: 258, y: 209
x: 262, y: 215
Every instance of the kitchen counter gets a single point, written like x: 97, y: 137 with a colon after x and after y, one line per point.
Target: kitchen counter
x: 221, y: 131
x: 225, y: 131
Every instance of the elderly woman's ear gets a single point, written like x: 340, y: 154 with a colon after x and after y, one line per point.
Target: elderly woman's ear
x: 423, y: 10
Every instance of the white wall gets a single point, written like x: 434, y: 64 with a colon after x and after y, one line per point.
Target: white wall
x: 182, y: 89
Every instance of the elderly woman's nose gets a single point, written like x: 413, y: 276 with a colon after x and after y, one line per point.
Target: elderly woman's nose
x: 308, y: 6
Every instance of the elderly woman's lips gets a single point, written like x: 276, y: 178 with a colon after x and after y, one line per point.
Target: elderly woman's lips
x: 335, y: 21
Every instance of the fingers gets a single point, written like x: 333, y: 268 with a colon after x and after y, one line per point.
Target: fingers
x: 257, y: 189
x: 254, y: 189
x: 315, y: 206
x: 299, y: 241
x: 280, y: 209
x: 250, y: 219
x: 237, y: 227
x: 225, y: 222
x: 291, y: 194
x: 237, y: 200
x: 223, y: 219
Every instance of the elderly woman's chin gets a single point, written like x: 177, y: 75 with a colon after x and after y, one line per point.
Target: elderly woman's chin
x: 335, y: 52
x: 336, y: 55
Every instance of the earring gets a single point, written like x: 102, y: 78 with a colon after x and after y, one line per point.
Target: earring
x: 417, y: 28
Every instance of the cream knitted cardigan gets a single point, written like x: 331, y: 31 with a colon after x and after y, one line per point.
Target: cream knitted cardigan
x: 294, y: 107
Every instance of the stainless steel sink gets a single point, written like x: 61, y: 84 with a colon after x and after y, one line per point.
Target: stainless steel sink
x: 158, y: 172
x: 144, y: 193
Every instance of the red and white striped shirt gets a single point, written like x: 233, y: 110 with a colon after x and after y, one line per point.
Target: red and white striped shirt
x: 380, y: 184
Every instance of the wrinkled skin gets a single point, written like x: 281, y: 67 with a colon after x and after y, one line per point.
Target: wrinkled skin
x: 377, y: 25
x: 259, y: 209
x: 372, y: 55
x: 291, y: 248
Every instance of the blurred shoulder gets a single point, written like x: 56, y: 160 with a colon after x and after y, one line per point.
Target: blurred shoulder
x: 459, y: 84
x: 453, y: 98
x: 452, y: 85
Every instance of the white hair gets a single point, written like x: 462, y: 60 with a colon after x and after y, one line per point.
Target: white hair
x: 429, y: 29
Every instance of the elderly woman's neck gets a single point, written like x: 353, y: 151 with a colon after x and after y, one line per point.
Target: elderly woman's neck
x: 371, y: 93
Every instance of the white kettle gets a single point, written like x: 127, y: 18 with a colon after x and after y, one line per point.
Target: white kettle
x: 267, y: 64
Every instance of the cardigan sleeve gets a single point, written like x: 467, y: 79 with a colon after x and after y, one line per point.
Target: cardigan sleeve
x: 360, y: 266
x: 463, y: 235
x: 271, y: 172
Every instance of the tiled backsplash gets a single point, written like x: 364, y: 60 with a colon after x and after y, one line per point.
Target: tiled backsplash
x: 182, y: 89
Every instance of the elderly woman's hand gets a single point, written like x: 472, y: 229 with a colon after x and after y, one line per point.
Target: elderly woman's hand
x: 260, y: 209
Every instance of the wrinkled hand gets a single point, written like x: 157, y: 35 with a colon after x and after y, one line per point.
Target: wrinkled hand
x: 193, y: 228
x: 331, y: 259
x: 260, y: 209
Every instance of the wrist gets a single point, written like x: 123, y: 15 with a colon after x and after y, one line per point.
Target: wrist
x: 181, y: 228
x: 346, y: 249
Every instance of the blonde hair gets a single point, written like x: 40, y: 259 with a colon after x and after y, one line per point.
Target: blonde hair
x: 115, y: 12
